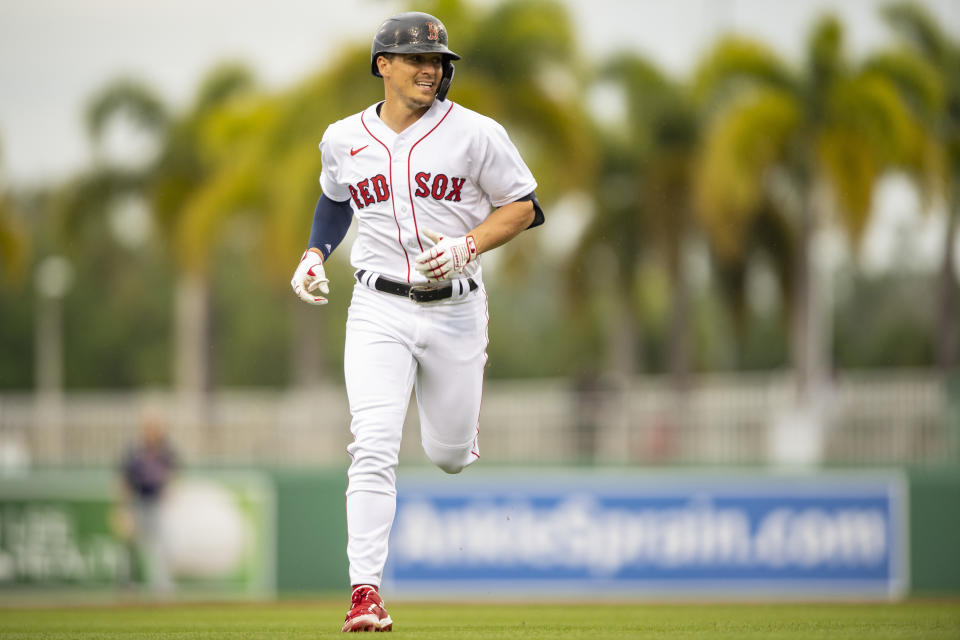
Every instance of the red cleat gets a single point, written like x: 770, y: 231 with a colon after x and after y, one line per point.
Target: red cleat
x: 367, y: 612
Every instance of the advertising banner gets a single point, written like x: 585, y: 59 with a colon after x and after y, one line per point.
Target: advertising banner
x: 67, y: 530
x: 670, y: 534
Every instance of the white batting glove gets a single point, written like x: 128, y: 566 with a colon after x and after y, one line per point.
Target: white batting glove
x: 310, y: 278
x: 447, y: 257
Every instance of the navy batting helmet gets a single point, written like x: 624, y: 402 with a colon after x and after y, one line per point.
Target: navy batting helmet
x: 414, y: 32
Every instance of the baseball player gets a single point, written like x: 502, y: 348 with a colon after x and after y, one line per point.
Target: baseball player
x: 433, y: 185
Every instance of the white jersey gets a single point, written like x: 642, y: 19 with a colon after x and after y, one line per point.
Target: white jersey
x: 446, y: 172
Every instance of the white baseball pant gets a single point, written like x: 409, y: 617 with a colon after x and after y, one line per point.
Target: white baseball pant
x: 392, y: 345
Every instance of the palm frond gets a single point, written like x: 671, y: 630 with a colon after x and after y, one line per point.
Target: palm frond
x: 130, y: 98
x: 870, y: 106
x: 847, y: 158
x: 516, y: 38
x: 915, y: 78
x: 741, y: 145
x: 200, y: 225
x: 826, y: 63
x: 915, y: 25
x: 735, y: 64
x: 89, y: 196
x: 223, y: 82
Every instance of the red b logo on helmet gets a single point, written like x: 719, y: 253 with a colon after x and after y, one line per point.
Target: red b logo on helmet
x: 434, y: 29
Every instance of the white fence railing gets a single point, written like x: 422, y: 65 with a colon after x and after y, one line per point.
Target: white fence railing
x: 865, y: 418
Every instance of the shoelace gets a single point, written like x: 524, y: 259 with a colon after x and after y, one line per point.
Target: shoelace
x: 359, y: 595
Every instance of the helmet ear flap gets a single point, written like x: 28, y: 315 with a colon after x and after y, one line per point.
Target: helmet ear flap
x: 445, y: 79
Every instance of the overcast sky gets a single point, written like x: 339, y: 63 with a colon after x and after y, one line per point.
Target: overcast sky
x: 55, y: 53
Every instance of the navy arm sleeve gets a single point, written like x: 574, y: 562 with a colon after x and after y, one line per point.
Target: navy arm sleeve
x: 538, y: 217
x: 331, y: 220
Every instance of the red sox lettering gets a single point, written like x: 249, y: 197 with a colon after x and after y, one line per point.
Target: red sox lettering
x: 439, y: 187
x: 376, y: 189
x: 362, y: 191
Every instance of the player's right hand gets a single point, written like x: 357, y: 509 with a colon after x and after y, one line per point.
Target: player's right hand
x: 309, y: 280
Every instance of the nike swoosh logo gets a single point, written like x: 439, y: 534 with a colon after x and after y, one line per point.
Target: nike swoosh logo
x: 354, y: 152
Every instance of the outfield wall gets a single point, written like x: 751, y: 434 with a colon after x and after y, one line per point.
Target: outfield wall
x: 931, y: 554
x: 670, y: 533
x: 935, y: 532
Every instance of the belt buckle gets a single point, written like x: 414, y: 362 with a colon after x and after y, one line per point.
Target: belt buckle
x: 431, y: 287
x: 416, y: 289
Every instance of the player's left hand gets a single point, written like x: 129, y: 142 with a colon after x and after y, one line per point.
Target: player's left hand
x: 447, y: 257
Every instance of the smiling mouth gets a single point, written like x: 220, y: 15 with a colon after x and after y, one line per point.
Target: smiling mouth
x: 423, y: 84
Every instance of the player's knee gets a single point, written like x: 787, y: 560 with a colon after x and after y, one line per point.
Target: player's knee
x: 369, y: 465
x: 449, y: 459
x: 451, y: 467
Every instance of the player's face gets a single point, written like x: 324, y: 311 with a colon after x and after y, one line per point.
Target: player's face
x: 413, y: 77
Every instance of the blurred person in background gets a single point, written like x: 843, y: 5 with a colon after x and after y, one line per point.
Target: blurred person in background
x: 146, y: 471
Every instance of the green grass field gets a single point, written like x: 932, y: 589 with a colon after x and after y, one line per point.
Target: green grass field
x: 321, y: 619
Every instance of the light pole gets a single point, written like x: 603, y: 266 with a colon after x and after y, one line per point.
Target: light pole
x: 54, y: 277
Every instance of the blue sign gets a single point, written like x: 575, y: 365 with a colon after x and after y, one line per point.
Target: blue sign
x: 755, y: 535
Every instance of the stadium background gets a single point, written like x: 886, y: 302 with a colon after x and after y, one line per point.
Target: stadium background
x: 656, y: 332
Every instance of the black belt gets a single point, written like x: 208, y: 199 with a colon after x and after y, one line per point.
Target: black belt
x: 417, y: 292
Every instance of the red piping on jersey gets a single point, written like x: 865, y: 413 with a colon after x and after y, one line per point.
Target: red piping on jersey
x: 413, y: 209
x: 393, y: 200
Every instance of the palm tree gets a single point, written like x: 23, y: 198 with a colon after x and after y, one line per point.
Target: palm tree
x: 797, y: 145
x: 171, y: 182
x: 642, y: 192
x: 931, y: 85
x: 606, y: 261
x: 662, y: 134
